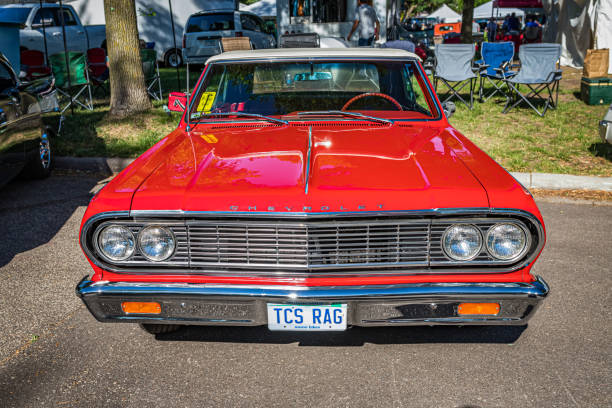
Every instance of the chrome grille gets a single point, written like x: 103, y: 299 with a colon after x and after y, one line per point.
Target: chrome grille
x: 293, y: 246
x: 254, y: 245
x: 313, y: 245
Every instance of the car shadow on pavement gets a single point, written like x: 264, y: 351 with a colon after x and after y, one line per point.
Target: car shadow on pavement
x: 33, y: 211
x: 354, y: 337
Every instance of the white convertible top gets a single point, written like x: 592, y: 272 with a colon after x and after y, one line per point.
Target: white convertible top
x: 284, y: 53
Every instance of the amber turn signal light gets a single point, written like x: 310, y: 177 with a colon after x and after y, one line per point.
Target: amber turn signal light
x: 141, y: 307
x: 478, y: 308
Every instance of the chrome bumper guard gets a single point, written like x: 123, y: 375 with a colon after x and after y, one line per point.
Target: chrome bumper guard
x: 245, y: 305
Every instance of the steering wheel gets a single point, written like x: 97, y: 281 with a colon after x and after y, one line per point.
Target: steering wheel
x: 380, y: 95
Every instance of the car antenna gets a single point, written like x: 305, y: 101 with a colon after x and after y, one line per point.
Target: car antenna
x: 188, y: 112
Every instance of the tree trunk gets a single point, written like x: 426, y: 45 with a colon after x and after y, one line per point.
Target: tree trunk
x: 127, y: 83
x: 466, y: 21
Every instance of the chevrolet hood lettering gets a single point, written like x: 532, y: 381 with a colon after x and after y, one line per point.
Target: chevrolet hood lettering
x: 268, y: 169
x: 323, y: 208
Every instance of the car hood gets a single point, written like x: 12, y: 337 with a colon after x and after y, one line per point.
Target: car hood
x: 318, y: 168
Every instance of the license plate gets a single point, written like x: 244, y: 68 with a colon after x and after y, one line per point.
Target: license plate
x: 307, y: 317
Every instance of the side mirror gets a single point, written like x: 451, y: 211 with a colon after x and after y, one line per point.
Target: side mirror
x: 177, y: 101
x: 3, y: 119
x: 449, y: 109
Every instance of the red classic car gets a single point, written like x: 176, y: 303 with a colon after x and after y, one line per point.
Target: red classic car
x: 313, y: 189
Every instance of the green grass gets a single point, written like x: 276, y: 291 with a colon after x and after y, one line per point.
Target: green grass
x: 91, y: 134
x: 565, y: 140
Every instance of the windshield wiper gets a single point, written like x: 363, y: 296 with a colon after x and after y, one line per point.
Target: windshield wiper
x: 347, y: 114
x: 244, y: 114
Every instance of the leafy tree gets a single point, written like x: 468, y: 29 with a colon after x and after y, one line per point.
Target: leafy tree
x: 127, y: 83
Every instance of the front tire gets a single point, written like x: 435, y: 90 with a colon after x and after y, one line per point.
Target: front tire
x: 40, y: 166
x: 159, y: 328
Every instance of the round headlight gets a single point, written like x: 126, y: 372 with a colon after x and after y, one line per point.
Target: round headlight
x: 506, y: 241
x: 116, y: 242
x: 156, y: 243
x: 462, y: 242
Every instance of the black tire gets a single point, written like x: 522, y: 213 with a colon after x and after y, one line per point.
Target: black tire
x: 173, y: 58
x: 41, y: 165
x: 159, y: 328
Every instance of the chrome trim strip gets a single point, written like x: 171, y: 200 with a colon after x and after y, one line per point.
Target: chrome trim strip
x: 438, y: 212
x: 538, y: 288
x: 308, y: 159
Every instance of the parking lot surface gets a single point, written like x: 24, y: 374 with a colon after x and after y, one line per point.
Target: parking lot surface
x: 54, y: 353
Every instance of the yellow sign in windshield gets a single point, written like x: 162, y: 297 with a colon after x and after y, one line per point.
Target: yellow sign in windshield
x: 206, y: 101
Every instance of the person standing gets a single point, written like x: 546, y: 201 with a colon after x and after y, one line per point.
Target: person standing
x: 491, y: 29
x: 367, y: 22
x: 514, y: 23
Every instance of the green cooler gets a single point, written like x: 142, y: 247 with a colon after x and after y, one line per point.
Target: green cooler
x: 596, y: 91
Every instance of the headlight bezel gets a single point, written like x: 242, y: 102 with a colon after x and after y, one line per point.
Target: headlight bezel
x: 521, y: 253
x: 103, y: 254
x: 484, y: 255
x: 166, y: 230
x: 480, y: 242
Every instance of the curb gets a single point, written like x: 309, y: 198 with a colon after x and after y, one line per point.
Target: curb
x: 550, y: 181
x: 110, y: 165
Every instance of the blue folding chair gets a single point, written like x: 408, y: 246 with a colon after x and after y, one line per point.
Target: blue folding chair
x: 539, y: 74
x: 454, y: 69
x: 494, y: 67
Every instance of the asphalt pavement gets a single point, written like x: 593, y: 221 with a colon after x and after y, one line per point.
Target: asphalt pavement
x: 54, y: 353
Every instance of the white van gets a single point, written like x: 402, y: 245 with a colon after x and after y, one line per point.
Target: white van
x: 204, y: 30
x: 154, y: 23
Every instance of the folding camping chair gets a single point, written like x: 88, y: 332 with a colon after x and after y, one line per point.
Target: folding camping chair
x: 96, y: 62
x: 150, y: 68
x: 78, y: 88
x: 494, y: 67
x: 33, y: 64
x: 539, y: 73
x: 454, y: 69
x: 235, y: 43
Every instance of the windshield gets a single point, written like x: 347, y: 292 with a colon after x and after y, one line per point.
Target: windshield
x: 389, y: 89
x: 210, y: 22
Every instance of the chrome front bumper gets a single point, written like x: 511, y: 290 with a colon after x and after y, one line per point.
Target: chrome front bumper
x: 244, y: 305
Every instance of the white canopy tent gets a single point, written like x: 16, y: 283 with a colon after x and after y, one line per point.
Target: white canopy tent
x: 486, y: 11
x: 446, y: 15
x: 263, y: 8
x: 578, y: 25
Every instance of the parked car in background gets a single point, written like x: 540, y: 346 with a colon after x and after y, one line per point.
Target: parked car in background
x: 154, y: 22
x: 78, y: 37
x: 25, y: 143
x: 313, y: 189
x: 204, y: 30
x: 311, y: 40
